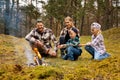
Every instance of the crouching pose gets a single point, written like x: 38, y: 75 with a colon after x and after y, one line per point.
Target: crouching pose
x: 73, y: 51
x: 40, y: 37
x: 64, y: 35
x: 96, y: 47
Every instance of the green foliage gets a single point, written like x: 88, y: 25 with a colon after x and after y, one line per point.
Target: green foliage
x: 101, y: 11
x: 61, y: 8
x: 55, y: 8
x: 31, y: 11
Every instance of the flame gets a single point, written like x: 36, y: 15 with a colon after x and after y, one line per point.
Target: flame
x: 37, y: 53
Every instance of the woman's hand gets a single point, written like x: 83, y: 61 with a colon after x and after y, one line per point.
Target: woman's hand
x: 60, y: 46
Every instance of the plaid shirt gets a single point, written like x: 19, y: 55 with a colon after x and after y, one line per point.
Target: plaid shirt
x: 46, y: 37
x: 64, y: 31
x: 98, y: 43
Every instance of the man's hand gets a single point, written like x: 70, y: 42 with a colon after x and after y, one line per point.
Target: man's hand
x: 52, y: 53
x: 37, y: 42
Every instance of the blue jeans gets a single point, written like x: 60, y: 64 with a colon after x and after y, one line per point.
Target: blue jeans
x: 72, y: 53
x: 95, y: 54
x: 91, y: 50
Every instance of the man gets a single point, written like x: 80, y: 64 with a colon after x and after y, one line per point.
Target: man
x: 64, y: 34
x: 40, y: 38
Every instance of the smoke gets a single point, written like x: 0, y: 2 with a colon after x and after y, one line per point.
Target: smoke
x: 13, y: 18
x: 29, y: 54
x: 23, y: 51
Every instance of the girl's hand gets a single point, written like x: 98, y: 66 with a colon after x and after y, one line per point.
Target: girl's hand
x: 89, y: 43
x: 80, y: 45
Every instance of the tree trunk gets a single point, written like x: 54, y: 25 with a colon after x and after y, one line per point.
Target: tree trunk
x: 36, y: 7
x: 7, y: 17
x: 117, y: 15
x: 31, y: 2
x: 82, y: 22
x: 82, y: 19
x: 17, y: 18
x: 107, y: 14
x: 51, y: 22
x: 98, y: 12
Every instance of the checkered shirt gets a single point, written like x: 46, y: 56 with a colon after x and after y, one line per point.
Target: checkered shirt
x: 64, y: 32
x: 98, y: 43
x: 46, y: 37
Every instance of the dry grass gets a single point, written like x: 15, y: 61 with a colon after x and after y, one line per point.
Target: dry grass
x: 82, y: 69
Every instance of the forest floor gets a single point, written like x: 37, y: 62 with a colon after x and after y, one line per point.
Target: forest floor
x: 15, y: 53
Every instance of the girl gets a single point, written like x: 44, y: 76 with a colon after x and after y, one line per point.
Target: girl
x: 96, y: 47
x: 72, y: 46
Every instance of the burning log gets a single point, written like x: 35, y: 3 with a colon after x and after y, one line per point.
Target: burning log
x: 38, y: 57
x: 37, y: 53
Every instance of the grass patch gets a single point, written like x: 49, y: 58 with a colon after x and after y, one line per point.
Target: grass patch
x: 82, y: 69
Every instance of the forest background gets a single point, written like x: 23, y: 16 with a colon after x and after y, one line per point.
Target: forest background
x: 18, y: 17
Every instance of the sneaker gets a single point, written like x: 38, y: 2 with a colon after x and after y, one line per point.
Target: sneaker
x: 31, y: 64
x: 62, y: 54
x: 71, y: 59
x: 65, y: 57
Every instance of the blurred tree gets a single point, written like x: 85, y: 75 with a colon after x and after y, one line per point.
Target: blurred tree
x: 84, y: 12
x: 57, y: 10
x: 31, y: 13
x: 7, y: 17
x: 117, y: 13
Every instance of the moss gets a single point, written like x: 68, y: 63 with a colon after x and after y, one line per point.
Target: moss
x: 112, y: 34
x: 58, y: 69
x: 1, y: 72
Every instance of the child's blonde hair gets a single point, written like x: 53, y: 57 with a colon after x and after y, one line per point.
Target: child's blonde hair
x: 99, y: 32
x: 97, y: 26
